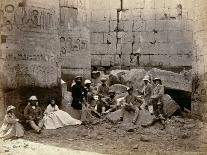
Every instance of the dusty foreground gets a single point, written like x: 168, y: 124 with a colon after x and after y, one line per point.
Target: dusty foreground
x: 183, y: 135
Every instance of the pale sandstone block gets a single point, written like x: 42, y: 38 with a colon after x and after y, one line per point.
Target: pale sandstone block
x: 148, y: 14
x: 139, y: 25
x: 97, y: 38
x: 161, y: 37
x: 147, y: 37
x: 100, y: 26
x: 95, y: 60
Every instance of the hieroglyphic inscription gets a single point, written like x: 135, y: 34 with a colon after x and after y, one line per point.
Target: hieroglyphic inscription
x: 34, y: 19
x: 68, y: 45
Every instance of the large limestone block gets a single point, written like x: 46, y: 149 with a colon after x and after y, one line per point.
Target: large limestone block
x: 173, y: 80
x: 144, y: 117
x: 169, y: 105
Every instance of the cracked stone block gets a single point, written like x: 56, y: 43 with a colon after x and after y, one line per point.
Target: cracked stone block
x: 161, y: 37
x: 161, y: 25
x: 136, y: 37
x: 125, y: 48
x: 111, y: 48
x: 162, y: 14
x: 183, y: 60
x: 97, y: 38
x: 107, y: 60
x: 184, y: 48
x: 113, y: 14
x: 148, y: 14
x: 113, y: 26
x: 139, y: 25
x: 126, y: 25
x: 144, y: 60
x: 95, y: 60
x: 98, y: 48
x: 180, y: 36
x: 148, y: 48
x: 150, y: 25
x: 77, y: 61
x: 125, y: 15
x: 110, y: 38
x: 99, y: 15
x: 148, y: 37
x: 99, y: 26
x: 126, y: 37
x: 136, y: 13
x: 137, y: 48
x: 117, y: 60
x: 125, y: 60
x: 166, y: 48
x: 157, y: 60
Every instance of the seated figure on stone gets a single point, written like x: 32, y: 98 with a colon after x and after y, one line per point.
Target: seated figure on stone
x: 33, y: 114
x: 86, y: 116
x: 156, y: 101
x: 103, y: 89
x: 111, y: 101
x: 101, y: 105
x: 11, y: 128
x: 147, y: 93
x: 55, y: 118
x: 131, y: 103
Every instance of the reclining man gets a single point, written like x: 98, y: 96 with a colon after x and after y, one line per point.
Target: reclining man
x: 131, y: 103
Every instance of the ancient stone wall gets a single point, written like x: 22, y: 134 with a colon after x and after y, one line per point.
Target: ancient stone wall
x: 74, y: 39
x: 141, y: 33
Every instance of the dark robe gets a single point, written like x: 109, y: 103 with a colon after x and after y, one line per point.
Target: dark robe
x: 78, y: 95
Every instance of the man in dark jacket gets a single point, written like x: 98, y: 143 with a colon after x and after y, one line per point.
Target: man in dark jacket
x: 78, y: 94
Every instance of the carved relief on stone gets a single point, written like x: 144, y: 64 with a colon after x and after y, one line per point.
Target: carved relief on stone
x: 34, y: 19
x: 76, y: 44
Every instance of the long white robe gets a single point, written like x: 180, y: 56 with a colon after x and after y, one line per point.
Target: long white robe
x: 11, y: 128
x: 55, y: 118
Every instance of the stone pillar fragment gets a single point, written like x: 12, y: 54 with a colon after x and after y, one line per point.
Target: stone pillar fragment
x: 29, y: 48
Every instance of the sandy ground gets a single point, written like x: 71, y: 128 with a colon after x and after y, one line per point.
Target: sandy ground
x: 183, y: 135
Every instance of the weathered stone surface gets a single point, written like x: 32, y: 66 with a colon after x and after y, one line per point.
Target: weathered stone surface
x: 144, y: 117
x: 119, y: 88
x: 99, y: 26
x: 169, y: 105
x: 30, y: 46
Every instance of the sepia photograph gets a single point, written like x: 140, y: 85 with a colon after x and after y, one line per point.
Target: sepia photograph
x: 103, y: 77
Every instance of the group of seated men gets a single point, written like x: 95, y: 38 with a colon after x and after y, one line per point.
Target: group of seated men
x: 102, y: 100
